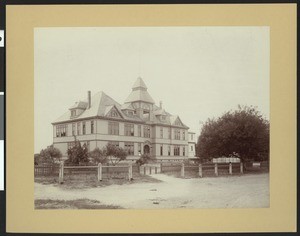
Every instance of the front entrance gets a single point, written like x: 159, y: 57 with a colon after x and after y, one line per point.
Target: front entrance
x: 146, y: 149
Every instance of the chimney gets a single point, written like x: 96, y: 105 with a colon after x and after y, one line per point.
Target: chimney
x: 160, y: 104
x: 89, y: 100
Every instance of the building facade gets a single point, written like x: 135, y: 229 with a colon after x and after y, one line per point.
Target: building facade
x: 192, y: 144
x: 137, y: 125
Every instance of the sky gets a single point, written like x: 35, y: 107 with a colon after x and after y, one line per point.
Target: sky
x: 197, y: 72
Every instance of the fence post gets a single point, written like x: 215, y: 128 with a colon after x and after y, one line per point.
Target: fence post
x: 200, y: 170
x: 230, y: 168
x: 182, y: 170
x: 241, y: 168
x: 216, y: 169
x: 130, y: 172
x: 99, y: 172
x: 61, y: 173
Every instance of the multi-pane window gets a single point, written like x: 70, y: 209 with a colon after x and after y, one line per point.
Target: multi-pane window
x: 183, y: 135
x: 177, y: 134
x: 176, y: 150
x: 113, y: 128
x: 169, y: 150
x: 161, y: 150
x: 78, y: 128
x: 116, y: 144
x: 139, y: 131
x: 92, y: 127
x: 73, y: 129
x: 61, y: 130
x: 146, y: 131
x: 161, y: 132
x: 183, y: 151
x: 83, y: 127
x: 129, y: 147
x: 129, y: 130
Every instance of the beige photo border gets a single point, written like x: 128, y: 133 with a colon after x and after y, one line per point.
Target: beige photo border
x: 21, y: 215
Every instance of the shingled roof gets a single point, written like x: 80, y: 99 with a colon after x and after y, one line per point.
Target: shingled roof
x: 139, y: 93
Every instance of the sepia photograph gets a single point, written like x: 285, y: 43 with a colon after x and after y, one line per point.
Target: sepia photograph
x: 151, y: 117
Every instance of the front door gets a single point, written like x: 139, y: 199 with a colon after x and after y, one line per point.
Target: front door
x: 146, y: 149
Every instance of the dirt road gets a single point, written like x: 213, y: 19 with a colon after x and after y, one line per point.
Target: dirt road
x: 247, y: 191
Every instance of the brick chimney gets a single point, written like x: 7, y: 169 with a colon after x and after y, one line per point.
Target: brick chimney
x: 89, y: 100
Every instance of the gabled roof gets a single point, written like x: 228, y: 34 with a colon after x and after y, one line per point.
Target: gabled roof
x: 100, y: 104
x: 139, y: 93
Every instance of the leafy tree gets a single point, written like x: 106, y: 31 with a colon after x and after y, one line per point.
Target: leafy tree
x: 114, y: 154
x: 97, y: 156
x: 37, y: 158
x: 144, y: 159
x: 243, y: 133
x: 50, y: 154
x: 77, y: 154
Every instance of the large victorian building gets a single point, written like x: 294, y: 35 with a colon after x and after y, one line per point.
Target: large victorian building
x: 138, y: 125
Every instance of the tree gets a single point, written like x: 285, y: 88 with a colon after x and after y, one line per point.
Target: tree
x: 97, y: 156
x: 243, y: 133
x: 77, y: 154
x: 37, y: 158
x: 114, y: 154
x: 144, y: 159
x: 50, y: 154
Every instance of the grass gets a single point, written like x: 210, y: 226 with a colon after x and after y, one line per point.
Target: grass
x: 81, y: 181
x: 71, y: 204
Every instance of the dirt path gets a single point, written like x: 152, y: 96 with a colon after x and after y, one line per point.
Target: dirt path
x: 247, y: 191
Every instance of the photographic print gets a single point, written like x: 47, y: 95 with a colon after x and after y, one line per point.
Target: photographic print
x: 151, y: 117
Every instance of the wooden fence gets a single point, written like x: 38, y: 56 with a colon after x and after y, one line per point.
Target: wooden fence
x: 46, y: 170
x: 101, y: 171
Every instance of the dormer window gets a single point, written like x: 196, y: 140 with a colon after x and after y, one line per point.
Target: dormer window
x: 73, y: 112
x: 163, y: 118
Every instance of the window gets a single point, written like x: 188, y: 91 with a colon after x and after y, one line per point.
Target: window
x: 129, y: 129
x: 161, y: 132
x: 169, y: 133
x: 83, y: 127
x: 61, y: 130
x: 129, y: 147
x: 161, y: 150
x: 191, y: 148
x: 78, y: 128
x: 183, y: 135
x: 183, y: 151
x: 139, y: 131
x: 73, y: 113
x: 176, y: 150
x: 146, y: 131
x: 92, y: 127
x: 177, y: 134
x: 169, y: 150
x: 113, y: 113
x: 192, y: 136
x: 113, y: 128
x: 140, y: 148
x: 73, y: 129
x: 116, y: 144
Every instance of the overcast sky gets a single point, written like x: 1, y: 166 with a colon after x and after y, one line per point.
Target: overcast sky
x: 197, y: 72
